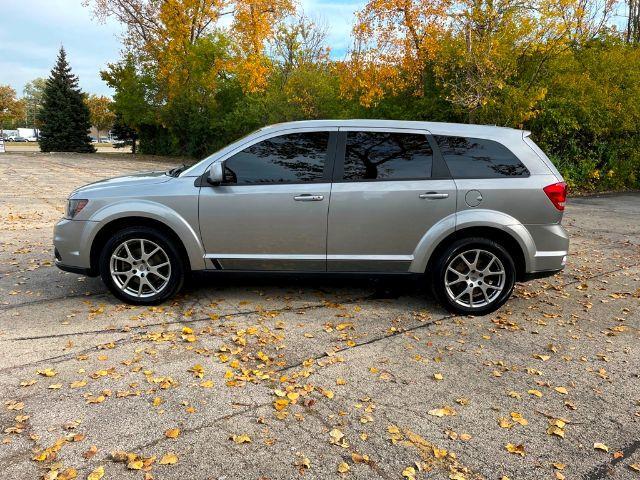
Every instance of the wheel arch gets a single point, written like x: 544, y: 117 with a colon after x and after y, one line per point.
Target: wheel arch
x: 507, y: 240
x: 117, y: 224
x: 494, y: 225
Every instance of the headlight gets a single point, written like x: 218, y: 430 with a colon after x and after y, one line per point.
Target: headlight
x: 75, y: 206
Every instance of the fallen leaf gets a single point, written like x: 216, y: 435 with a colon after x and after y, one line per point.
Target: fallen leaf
x: 515, y: 449
x: 172, y: 433
x: 442, y: 412
x: 169, y: 459
x: 343, y: 467
x: 96, y: 474
x: 409, y: 473
x: 243, y: 438
x: 601, y: 446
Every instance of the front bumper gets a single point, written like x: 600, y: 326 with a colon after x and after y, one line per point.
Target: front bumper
x: 72, y: 247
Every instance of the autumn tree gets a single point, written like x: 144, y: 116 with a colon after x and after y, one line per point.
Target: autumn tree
x: 11, y: 108
x: 165, y: 32
x: 393, y: 42
x: 101, y: 113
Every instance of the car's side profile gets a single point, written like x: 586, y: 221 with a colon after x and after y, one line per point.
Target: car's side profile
x: 475, y: 208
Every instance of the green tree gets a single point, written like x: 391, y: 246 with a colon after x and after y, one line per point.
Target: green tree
x: 123, y: 132
x: 33, y: 95
x: 64, y: 116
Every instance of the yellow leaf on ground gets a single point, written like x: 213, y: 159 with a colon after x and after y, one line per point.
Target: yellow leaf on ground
x: 439, y: 452
x: 96, y: 474
x: 169, y: 459
x: 172, y: 433
x: 409, y: 473
x: 517, y: 417
x: 343, y: 467
x: 601, y: 446
x: 243, y: 438
x: 561, y: 390
x: 442, y: 412
x: 515, y: 449
x: 135, y: 465
x: 534, y: 392
x: 48, y: 372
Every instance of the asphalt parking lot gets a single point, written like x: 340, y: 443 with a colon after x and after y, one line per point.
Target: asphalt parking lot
x: 291, y: 378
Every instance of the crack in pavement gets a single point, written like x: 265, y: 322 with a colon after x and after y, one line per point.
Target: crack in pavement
x: 292, y: 366
x: 604, y: 470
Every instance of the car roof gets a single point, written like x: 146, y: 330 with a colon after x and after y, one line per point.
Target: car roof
x: 436, y: 128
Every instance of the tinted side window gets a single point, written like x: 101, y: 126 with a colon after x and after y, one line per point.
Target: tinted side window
x: 387, y: 156
x: 478, y: 158
x: 293, y: 158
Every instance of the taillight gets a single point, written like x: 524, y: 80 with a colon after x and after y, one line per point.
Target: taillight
x: 557, y: 193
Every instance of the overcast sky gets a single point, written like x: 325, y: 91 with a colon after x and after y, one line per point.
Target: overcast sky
x: 31, y: 32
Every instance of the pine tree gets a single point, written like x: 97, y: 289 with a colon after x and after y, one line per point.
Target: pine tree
x: 64, y: 117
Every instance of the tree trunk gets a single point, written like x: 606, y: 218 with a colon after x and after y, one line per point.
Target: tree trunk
x: 133, y: 146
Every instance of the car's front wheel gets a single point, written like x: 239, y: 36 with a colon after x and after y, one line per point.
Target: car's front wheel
x: 141, y: 265
x: 473, y: 276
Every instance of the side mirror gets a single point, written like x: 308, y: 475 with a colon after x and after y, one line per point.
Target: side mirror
x: 216, y: 174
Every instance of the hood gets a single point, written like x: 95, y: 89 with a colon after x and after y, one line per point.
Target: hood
x: 134, y: 180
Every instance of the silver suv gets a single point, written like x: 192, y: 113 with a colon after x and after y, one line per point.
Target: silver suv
x: 475, y: 208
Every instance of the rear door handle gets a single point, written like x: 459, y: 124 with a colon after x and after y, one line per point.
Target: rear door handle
x: 434, y: 195
x: 307, y: 197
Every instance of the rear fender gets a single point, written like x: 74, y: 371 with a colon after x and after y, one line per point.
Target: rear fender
x: 468, y: 219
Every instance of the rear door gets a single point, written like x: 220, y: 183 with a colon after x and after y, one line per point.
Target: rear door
x: 389, y: 189
x: 270, y: 213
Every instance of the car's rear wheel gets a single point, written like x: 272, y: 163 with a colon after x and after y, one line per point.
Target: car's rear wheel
x: 473, y: 276
x: 141, y: 265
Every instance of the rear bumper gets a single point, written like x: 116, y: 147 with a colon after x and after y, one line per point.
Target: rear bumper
x: 79, y: 270
x: 551, y: 249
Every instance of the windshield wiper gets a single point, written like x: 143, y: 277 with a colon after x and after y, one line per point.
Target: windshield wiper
x: 175, y: 171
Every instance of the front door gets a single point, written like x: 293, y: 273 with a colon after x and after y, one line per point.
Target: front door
x: 270, y: 213
x: 387, y: 193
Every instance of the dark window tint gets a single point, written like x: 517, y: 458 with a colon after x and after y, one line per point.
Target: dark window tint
x: 387, y: 156
x: 298, y: 157
x: 478, y: 158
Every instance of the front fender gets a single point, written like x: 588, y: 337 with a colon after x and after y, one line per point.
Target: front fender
x: 468, y: 219
x: 155, y: 211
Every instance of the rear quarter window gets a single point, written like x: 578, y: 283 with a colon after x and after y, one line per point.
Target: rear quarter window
x: 479, y: 158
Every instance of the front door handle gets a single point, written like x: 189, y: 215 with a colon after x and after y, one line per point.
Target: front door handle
x: 306, y: 197
x: 434, y: 195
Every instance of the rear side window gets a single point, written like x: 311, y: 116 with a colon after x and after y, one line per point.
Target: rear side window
x: 293, y: 158
x: 479, y: 158
x: 386, y: 156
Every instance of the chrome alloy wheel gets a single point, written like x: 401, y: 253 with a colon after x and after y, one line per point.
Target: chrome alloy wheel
x: 140, y: 267
x: 474, y: 278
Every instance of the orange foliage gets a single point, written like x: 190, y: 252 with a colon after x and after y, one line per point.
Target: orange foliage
x: 393, y: 41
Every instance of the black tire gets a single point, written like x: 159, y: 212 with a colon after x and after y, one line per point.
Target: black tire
x: 451, y: 254
x: 175, y: 273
